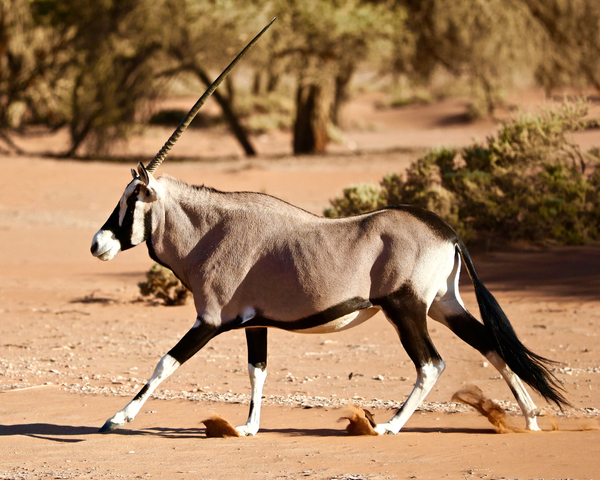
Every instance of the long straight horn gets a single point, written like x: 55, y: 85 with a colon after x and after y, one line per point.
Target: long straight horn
x: 160, y: 156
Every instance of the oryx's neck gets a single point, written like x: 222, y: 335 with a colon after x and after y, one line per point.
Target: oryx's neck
x: 179, y: 221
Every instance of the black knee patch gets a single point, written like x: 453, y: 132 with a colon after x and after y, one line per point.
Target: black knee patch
x: 192, y: 341
x: 256, y: 340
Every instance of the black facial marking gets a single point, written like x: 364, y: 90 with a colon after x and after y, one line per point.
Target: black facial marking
x: 123, y: 232
x: 321, y: 318
x: 148, y: 224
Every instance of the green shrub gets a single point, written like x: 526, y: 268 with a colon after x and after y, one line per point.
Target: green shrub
x: 163, y: 285
x: 529, y: 182
x: 425, y: 185
x: 356, y: 199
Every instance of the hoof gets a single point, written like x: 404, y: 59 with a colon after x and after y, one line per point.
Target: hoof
x: 245, y: 431
x: 384, y: 429
x: 109, y: 426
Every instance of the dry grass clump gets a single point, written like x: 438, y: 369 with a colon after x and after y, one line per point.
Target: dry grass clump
x: 218, y: 427
x: 163, y: 285
x: 361, y: 421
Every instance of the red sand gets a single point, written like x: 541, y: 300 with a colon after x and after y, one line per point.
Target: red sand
x: 75, y: 348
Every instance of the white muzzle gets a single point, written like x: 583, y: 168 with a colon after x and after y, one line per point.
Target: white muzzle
x: 105, y: 245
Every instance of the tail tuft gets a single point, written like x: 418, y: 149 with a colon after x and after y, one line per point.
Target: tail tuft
x: 530, y: 367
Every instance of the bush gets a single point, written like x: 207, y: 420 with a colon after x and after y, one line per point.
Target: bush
x: 163, y: 285
x: 356, y: 199
x: 530, y: 182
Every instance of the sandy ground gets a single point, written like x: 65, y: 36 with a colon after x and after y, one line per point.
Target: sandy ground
x: 76, y: 344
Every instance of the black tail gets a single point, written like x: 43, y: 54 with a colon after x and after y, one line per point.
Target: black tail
x: 528, y: 366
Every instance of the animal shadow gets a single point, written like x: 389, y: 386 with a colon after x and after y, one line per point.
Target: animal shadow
x: 48, y: 431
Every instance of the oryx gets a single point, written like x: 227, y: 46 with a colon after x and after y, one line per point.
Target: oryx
x: 253, y: 261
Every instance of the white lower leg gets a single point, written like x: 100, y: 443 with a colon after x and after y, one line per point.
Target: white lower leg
x: 166, y: 366
x: 427, y: 375
x: 530, y: 411
x: 257, y: 382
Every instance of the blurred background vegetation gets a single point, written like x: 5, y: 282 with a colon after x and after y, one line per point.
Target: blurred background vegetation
x: 95, y: 67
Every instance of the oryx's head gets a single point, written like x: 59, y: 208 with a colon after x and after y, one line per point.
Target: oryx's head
x: 129, y: 224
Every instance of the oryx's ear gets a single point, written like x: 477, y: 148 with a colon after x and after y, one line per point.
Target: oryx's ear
x: 144, y: 175
x: 154, y: 190
x: 134, y: 173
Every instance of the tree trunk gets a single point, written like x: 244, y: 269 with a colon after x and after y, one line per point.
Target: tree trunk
x: 272, y: 82
x: 310, y: 128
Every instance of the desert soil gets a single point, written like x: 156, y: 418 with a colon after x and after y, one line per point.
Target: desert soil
x: 76, y: 343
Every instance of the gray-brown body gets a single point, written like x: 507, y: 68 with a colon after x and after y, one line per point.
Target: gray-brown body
x: 254, y: 250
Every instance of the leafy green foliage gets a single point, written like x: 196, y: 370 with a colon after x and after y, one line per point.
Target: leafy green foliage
x: 162, y: 285
x: 530, y: 182
x: 33, y: 66
x: 265, y: 112
x: 356, y: 199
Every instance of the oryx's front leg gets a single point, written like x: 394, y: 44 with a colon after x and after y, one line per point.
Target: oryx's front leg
x: 188, y: 346
x: 256, y: 338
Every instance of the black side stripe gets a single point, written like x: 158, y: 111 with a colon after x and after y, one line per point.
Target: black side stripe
x: 321, y: 318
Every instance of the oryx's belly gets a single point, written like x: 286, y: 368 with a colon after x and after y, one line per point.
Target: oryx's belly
x: 342, y: 323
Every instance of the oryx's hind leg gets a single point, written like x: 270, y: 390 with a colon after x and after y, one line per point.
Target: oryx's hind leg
x: 449, y: 310
x: 189, y: 345
x: 256, y: 338
x: 409, y: 315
